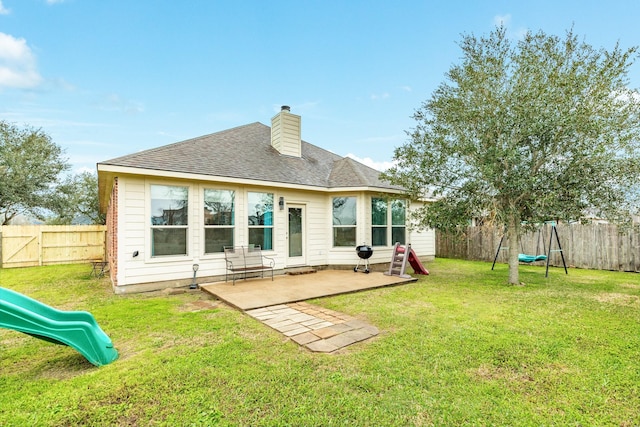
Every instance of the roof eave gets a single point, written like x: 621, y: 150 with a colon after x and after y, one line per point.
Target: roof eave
x: 115, y: 170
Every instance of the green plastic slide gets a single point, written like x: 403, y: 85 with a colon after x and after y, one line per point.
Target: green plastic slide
x: 77, y: 329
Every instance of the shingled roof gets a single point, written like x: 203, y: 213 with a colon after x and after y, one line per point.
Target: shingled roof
x: 245, y: 152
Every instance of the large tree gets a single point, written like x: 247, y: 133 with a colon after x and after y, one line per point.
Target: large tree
x: 76, y: 201
x: 525, y: 131
x: 30, y: 163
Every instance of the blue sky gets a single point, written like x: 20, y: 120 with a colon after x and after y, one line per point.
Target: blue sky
x: 109, y: 78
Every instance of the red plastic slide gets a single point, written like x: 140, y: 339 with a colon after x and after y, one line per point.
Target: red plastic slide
x: 417, y: 266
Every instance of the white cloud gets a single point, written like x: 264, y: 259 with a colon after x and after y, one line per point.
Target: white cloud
x: 83, y: 169
x: 520, y: 33
x: 4, y: 10
x: 381, y: 166
x: 17, y: 63
x: 375, y: 96
x: 406, y: 88
x: 42, y: 118
x: 505, y: 21
x: 502, y: 20
x: 115, y: 102
x: 62, y: 83
x: 627, y: 95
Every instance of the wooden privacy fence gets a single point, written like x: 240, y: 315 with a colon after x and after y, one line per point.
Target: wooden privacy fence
x: 594, y: 246
x: 34, y: 245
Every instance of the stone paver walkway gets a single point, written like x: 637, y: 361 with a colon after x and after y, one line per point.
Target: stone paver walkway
x: 319, y: 329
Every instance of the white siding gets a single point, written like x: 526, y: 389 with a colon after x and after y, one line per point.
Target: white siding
x: 424, y: 242
x: 135, y: 233
x: 134, y: 213
x: 318, y: 236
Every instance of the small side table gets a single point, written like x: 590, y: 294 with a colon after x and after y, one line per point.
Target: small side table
x: 99, y: 268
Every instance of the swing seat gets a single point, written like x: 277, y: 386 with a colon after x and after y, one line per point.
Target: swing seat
x: 531, y: 258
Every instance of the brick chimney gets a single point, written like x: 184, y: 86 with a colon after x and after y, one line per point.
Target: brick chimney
x: 285, y: 132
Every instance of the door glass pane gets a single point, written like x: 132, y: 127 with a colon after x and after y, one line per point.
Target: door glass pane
x: 295, y: 232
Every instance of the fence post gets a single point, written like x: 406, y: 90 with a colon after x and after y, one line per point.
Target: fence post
x: 40, y: 247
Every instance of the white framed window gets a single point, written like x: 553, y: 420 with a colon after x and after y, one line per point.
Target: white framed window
x: 260, y: 219
x: 379, y: 222
x: 219, y: 219
x: 344, y: 221
x: 388, y: 221
x: 399, y: 221
x: 169, y: 220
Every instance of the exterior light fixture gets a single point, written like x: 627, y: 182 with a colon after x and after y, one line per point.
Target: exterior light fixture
x: 194, y: 285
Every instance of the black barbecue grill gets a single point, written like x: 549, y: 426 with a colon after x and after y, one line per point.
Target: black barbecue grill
x: 364, y: 253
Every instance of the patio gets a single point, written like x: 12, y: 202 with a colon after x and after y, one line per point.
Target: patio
x: 279, y: 305
x: 257, y: 293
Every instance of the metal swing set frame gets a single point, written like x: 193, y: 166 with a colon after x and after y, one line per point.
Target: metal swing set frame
x: 540, y: 257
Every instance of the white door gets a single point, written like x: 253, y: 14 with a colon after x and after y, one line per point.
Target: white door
x: 296, y: 236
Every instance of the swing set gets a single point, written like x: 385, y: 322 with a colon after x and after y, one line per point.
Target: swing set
x: 540, y: 256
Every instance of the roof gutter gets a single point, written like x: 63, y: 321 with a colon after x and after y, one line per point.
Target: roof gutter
x: 112, y: 170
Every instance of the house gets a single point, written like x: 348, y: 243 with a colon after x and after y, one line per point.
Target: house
x: 178, y: 205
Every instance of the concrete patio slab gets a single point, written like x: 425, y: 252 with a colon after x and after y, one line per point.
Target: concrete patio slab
x: 280, y: 305
x: 257, y: 293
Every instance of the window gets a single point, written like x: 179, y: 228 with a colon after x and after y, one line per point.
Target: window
x: 344, y: 221
x: 398, y: 221
x: 169, y: 220
x: 384, y: 212
x: 378, y: 222
x: 260, y: 219
x: 219, y: 214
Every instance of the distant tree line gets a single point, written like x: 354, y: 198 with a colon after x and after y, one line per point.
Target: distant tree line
x: 35, y: 181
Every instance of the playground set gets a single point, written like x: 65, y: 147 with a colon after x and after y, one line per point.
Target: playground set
x: 399, y: 259
x: 76, y: 329
x: 544, y: 256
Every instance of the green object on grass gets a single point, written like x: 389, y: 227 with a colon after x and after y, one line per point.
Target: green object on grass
x: 531, y: 258
x: 77, y: 329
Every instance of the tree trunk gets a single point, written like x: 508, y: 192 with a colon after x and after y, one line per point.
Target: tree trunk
x: 514, y: 243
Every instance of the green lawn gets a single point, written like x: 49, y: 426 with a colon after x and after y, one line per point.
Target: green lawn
x: 459, y: 347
